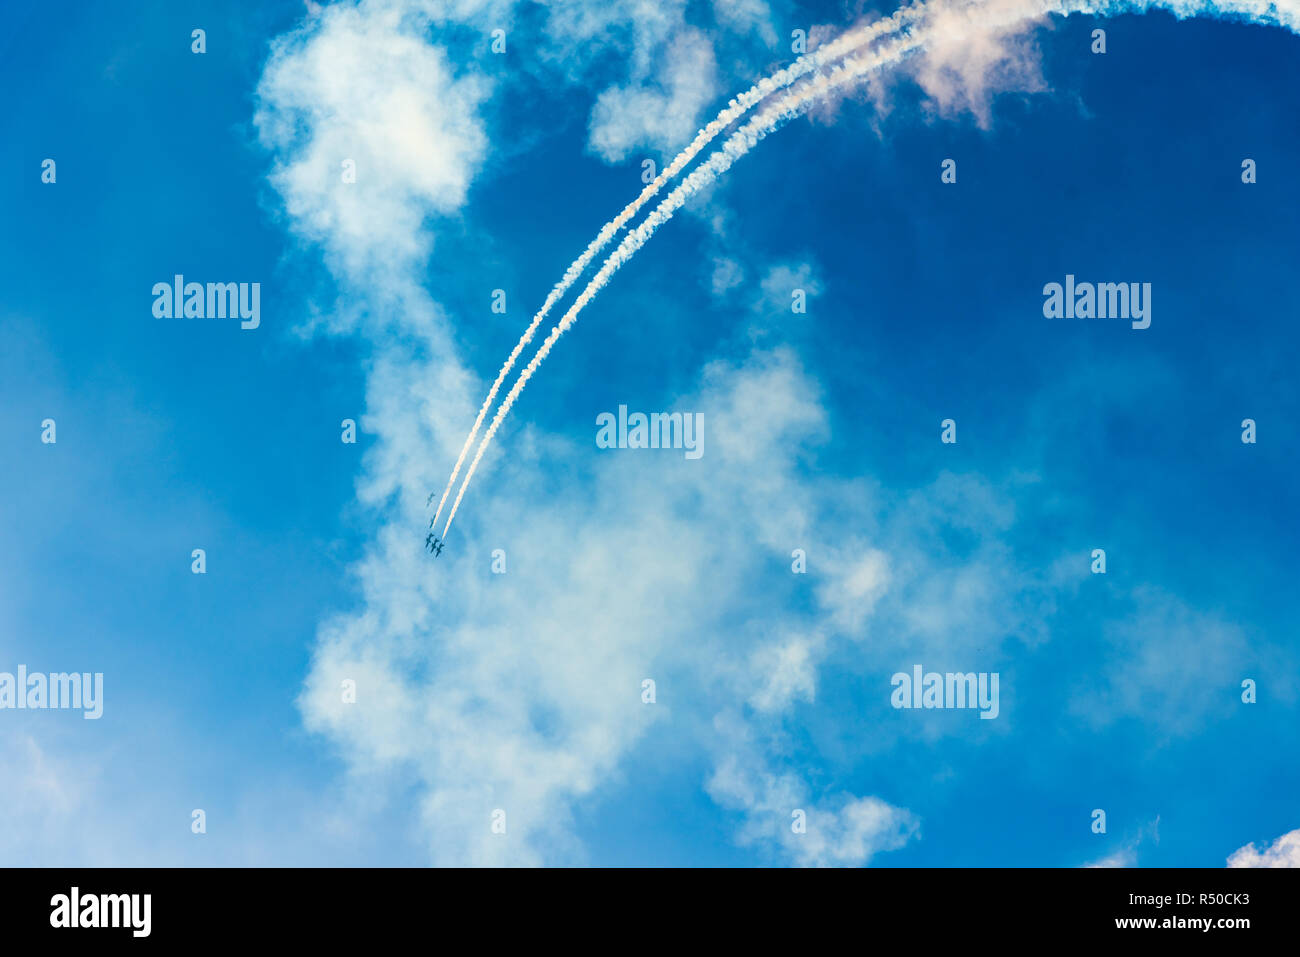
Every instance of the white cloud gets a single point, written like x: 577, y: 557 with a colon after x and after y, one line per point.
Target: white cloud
x: 787, y: 672
x: 662, y: 112
x: 854, y: 579
x: 770, y: 304
x: 978, y: 50
x: 727, y: 275
x: 839, y: 831
x: 744, y: 16
x: 522, y: 691
x: 1284, y: 852
x: 361, y: 83
x: 782, y: 279
x: 1124, y: 857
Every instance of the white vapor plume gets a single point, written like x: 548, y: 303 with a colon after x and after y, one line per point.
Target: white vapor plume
x: 941, y: 22
x: 738, y: 107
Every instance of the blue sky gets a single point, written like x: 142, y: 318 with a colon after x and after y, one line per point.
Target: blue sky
x: 522, y: 691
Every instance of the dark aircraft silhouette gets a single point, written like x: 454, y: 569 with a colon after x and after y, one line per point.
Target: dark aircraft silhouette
x: 433, y: 544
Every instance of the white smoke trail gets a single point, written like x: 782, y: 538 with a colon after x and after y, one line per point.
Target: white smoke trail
x: 993, y: 15
x: 739, y: 143
x: 735, y: 109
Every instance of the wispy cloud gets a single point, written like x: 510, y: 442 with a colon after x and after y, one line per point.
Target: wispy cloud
x: 1126, y: 855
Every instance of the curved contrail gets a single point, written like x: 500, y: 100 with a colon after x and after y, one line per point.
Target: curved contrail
x: 998, y: 13
x: 846, y: 43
